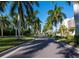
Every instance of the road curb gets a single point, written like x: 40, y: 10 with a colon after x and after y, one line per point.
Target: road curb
x: 69, y: 46
x: 10, y: 50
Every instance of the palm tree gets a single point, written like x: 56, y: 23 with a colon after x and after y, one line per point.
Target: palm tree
x: 4, y: 23
x: 37, y: 26
x: 56, y: 16
x: 2, y: 9
x: 21, y: 5
x: 62, y: 29
x: 36, y: 22
x: 3, y: 5
x: 14, y: 22
x: 48, y: 24
x: 76, y: 18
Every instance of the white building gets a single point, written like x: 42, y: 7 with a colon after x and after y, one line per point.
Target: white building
x: 69, y: 22
x: 66, y: 21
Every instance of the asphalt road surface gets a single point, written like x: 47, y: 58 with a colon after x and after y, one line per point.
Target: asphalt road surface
x: 42, y: 48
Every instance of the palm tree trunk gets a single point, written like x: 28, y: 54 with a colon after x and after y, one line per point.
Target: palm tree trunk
x: 2, y: 31
x: 56, y: 31
x: 76, y: 17
x: 61, y: 32
x: 16, y: 32
x: 25, y: 25
x: 19, y: 27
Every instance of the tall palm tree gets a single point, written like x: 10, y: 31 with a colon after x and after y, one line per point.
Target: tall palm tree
x: 76, y: 18
x: 48, y: 24
x: 34, y: 22
x: 37, y: 26
x: 14, y: 22
x: 23, y: 7
x: 56, y: 15
x: 2, y: 9
x: 4, y: 23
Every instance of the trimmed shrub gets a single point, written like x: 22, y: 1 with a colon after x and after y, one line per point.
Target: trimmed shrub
x: 27, y: 32
x: 76, y: 40
x: 69, y: 38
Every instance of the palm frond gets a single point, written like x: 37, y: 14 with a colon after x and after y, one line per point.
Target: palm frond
x: 50, y: 12
x: 28, y: 8
x: 63, y: 15
x: 14, y: 5
x: 3, y: 5
x: 69, y: 2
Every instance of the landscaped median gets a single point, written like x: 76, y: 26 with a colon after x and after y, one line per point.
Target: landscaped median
x: 6, y: 43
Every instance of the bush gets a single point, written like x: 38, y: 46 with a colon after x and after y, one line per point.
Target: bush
x: 50, y: 35
x: 71, y: 43
x: 27, y: 32
x: 7, y: 32
x: 76, y: 40
x: 69, y: 38
x: 62, y: 40
x: 59, y: 37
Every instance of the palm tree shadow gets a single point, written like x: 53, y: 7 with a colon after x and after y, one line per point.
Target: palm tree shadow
x: 40, y: 44
x: 61, y: 44
x: 32, y: 48
x: 35, y: 46
x: 69, y: 52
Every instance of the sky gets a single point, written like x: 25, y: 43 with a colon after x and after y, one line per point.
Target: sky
x: 44, y: 6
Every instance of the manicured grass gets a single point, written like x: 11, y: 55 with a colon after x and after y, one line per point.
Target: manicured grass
x: 2, y: 48
x: 6, y: 43
x: 69, y: 40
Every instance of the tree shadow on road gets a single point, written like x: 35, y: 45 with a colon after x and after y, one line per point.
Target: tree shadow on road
x: 35, y: 46
x: 69, y: 52
x: 32, y: 48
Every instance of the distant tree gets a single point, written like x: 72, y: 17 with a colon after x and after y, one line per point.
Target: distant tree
x: 4, y: 23
x: 48, y: 24
x: 63, y: 29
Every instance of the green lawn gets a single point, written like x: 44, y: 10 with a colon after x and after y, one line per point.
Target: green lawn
x: 6, y: 43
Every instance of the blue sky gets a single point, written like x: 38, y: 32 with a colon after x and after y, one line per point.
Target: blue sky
x: 44, y: 6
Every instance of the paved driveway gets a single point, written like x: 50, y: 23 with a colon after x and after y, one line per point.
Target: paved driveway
x: 42, y: 48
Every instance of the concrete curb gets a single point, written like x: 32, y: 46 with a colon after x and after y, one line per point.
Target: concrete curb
x: 8, y: 50
x: 11, y: 49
